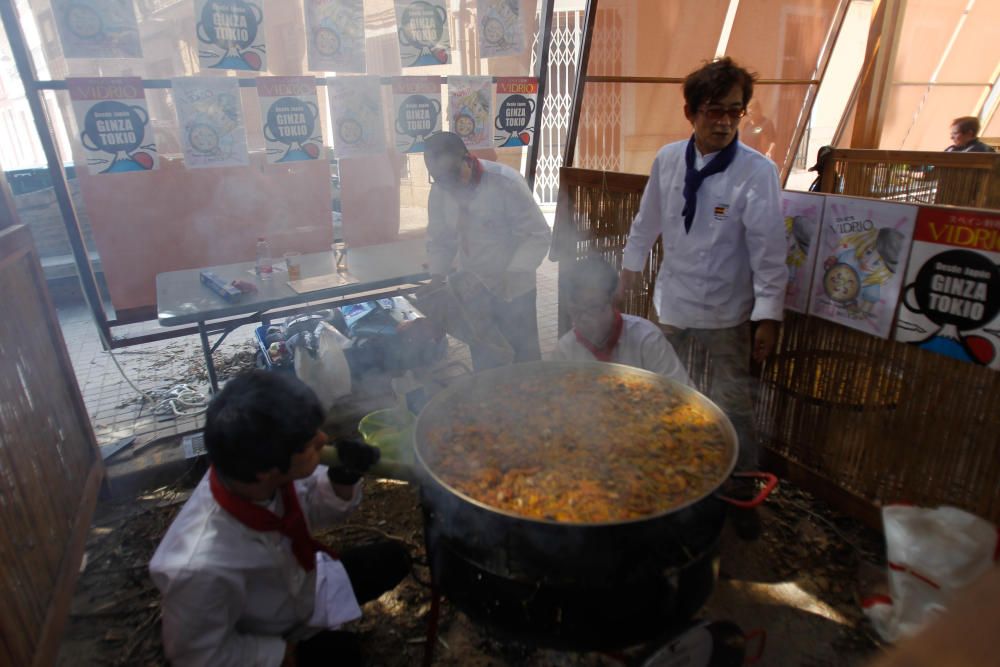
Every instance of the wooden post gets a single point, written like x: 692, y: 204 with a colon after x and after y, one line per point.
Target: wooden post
x: 876, y: 73
x: 8, y: 210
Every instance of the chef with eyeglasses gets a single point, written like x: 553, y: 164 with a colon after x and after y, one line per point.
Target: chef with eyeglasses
x: 715, y: 201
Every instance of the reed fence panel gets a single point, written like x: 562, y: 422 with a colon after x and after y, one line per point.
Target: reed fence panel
x: 917, y: 177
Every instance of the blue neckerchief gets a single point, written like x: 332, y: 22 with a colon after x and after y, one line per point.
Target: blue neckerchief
x: 693, y: 177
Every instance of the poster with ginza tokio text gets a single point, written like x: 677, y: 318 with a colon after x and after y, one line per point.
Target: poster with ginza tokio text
x: 951, y: 296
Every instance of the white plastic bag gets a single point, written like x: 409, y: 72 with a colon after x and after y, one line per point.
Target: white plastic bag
x: 327, y: 373
x: 931, y: 553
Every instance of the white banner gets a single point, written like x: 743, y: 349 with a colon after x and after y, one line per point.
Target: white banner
x: 356, y: 108
x: 210, y: 120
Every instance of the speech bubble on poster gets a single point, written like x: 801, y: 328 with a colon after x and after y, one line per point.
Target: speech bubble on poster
x: 956, y: 287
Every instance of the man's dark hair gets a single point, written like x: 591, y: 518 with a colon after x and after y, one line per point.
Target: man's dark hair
x: 444, y: 143
x: 258, y: 421
x: 591, y: 273
x: 714, y: 80
x: 967, y: 124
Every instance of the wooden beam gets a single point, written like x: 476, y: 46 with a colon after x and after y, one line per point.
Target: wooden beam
x: 876, y: 73
x: 8, y: 209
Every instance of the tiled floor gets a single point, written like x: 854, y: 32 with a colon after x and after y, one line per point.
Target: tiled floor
x: 118, y: 411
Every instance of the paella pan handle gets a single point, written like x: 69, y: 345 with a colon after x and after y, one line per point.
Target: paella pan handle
x: 770, y: 482
x: 761, y: 636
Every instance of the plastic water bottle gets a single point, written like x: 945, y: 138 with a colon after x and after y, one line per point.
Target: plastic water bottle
x: 264, y: 268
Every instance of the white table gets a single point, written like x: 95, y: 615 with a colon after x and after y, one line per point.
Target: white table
x: 181, y: 298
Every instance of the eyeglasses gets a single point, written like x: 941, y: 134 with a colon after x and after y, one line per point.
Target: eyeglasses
x: 717, y: 112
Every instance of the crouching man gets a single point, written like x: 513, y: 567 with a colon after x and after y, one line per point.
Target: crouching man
x: 602, y: 333
x: 243, y: 581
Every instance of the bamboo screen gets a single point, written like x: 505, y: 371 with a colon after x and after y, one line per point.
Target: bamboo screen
x: 50, y: 468
x: 884, y: 421
x: 876, y: 420
x: 920, y: 177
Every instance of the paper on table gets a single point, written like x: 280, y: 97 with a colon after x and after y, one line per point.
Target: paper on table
x: 321, y: 282
x: 276, y: 267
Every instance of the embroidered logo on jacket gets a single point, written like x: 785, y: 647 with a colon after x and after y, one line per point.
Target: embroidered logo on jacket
x: 721, y: 212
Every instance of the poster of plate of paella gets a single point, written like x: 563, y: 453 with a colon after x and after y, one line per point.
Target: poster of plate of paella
x: 335, y: 35
x: 210, y: 120
x: 861, y: 261
x: 113, y: 121
x: 231, y: 34
x: 470, y: 109
x: 356, y: 109
x: 950, y: 303
x: 97, y: 28
x: 500, y: 31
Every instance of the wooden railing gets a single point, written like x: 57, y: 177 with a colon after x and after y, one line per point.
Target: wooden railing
x: 919, y: 177
x: 858, y: 420
x: 50, y: 467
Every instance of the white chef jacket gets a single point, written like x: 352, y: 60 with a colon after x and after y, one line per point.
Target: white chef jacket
x: 231, y: 594
x: 503, y: 237
x: 731, y: 265
x: 641, y: 345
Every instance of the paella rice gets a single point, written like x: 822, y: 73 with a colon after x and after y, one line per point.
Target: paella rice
x: 580, y: 447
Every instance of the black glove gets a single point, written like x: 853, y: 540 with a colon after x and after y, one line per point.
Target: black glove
x: 355, y: 459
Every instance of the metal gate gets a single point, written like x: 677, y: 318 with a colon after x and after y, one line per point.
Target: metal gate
x: 564, y: 57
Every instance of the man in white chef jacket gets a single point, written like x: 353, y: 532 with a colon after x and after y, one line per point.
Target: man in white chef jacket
x: 715, y: 202
x: 243, y: 581
x: 483, y: 221
x: 601, y: 333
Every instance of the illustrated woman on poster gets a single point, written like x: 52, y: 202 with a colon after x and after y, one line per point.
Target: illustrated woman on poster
x: 862, y: 263
x: 798, y: 236
x: 471, y: 117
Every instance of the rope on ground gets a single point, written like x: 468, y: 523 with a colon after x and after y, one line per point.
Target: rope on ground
x: 181, y: 400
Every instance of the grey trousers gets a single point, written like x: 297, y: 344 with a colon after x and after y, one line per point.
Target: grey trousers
x: 517, y: 321
x: 729, y: 385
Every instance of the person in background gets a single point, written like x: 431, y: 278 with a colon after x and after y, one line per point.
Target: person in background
x: 965, y: 136
x: 243, y: 581
x: 716, y: 204
x: 600, y: 332
x: 822, y: 157
x: 759, y: 132
x: 483, y: 214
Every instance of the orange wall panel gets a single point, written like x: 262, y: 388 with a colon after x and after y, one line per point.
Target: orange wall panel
x: 177, y: 218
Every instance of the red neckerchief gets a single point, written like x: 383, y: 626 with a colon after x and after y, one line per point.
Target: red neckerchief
x: 603, y: 353
x: 292, y: 525
x: 477, y: 170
